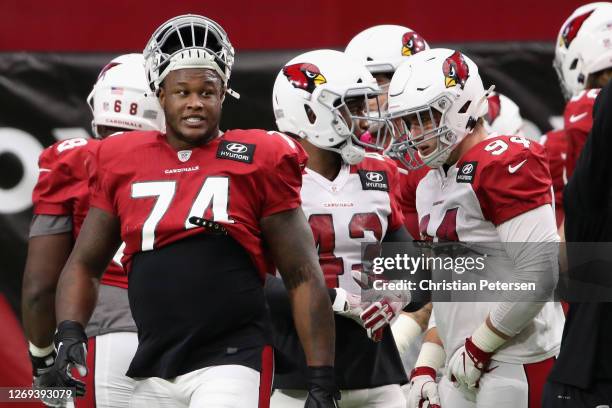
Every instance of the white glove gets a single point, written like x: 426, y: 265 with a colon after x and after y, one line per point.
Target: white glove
x: 472, y: 360
x: 348, y: 305
x: 423, y: 388
x: 382, y: 311
x: 380, y: 314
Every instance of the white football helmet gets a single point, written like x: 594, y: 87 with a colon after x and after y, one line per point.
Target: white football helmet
x: 439, y: 81
x: 188, y: 41
x: 121, y: 97
x: 503, y: 116
x: 383, y: 48
x: 310, y: 99
x: 584, y: 46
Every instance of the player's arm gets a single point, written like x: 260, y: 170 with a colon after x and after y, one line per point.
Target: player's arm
x: 47, y: 255
x: 76, y: 296
x: 77, y: 290
x: 291, y: 245
x: 423, y: 387
x: 531, y: 241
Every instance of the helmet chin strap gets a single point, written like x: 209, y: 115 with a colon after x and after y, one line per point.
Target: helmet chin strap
x: 352, y: 154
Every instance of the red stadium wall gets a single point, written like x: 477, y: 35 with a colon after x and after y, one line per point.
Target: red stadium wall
x: 75, y: 25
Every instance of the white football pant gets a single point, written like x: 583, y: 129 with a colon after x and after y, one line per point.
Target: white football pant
x: 507, y: 386
x: 223, y: 386
x: 108, y: 358
x: 387, y: 396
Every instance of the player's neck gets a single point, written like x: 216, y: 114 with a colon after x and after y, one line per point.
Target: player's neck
x: 324, y: 162
x: 179, y: 142
x: 478, y: 135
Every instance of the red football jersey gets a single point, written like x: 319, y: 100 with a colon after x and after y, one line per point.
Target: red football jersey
x: 493, y: 182
x: 235, y: 179
x: 63, y: 189
x: 555, y: 144
x: 578, y: 119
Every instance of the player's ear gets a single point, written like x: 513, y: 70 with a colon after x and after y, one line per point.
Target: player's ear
x: 161, y: 96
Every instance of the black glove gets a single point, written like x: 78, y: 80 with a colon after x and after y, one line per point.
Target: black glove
x: 322, y: 390
x: 41, y: 365
x: 71, y: 345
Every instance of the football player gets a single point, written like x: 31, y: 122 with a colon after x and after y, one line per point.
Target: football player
x: 61, y: 200
x: 382, y: 49
x: 481, y: 188
x: 350, y: 197
x: 583, y: 62
x: 195, y: 206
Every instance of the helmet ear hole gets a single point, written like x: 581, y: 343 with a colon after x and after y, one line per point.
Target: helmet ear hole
x: 574, y: 64
x: 312, y: 118
x: 465, y: 107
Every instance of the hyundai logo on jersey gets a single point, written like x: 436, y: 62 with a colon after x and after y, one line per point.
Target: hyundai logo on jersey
x: 466, y: 172
x: 374, y: 180
x: 242, y: 152
x: 236, y: 148
x: 375, y: 177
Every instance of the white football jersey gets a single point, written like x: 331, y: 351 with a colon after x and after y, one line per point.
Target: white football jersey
x: 495, y: 181
x: 359, y: 206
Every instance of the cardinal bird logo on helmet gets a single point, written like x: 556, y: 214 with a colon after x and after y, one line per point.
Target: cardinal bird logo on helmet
x: 571, y: 29
x: 304, y: 76
x: 412, y: 43
x: 456, y: 70
x: 494, y: 107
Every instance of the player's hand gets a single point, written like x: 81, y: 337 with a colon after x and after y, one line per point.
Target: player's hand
x: 348, y: 305
x: 71, y: 345
x: 467, y: 365
x: 380, y: 312
x: 41, y: 366
x: 322, y: 390
x: 423, y: 389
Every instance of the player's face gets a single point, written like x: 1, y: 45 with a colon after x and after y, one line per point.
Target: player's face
x: 192, y: 99
x: 356, y: 106
x: 425, y: 144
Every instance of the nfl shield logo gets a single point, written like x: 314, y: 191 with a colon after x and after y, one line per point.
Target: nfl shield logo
x: 184, y: 155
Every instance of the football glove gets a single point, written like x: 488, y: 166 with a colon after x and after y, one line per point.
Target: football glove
x: 71, y: 345
x: 42, y: 362
x: 348, y: 305
x: 380, y: 314
x: 322, y: 390
x: 423, y: 389
x: 472, y: 360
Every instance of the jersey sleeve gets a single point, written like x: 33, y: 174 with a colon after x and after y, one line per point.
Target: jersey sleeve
x: 100, y: 182
x: 281, y: 180
x: 514, y: 184
x: 50, y: 195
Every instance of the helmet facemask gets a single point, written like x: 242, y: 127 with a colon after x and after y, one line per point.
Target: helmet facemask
x: 188, y: 41
x: 347, y: 111
x: 416, y: 130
